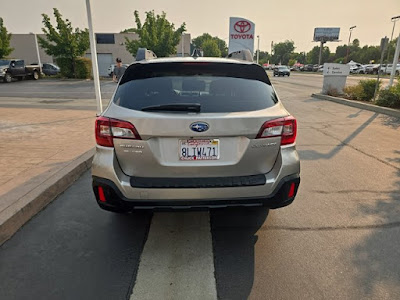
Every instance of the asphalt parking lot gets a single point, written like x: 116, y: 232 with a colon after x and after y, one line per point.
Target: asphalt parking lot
x: 55, y: 89
x: 338, y: 240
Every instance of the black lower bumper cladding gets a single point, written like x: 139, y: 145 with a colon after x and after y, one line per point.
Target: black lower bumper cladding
x: 115, y: 201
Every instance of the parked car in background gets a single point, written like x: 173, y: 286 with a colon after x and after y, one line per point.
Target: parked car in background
x: 110, y: 70
x: 267, y: 66
x: 50, y: 69
x: 281, y: 71
x: 372, y: 69
x: 16, y: 68
x: 388, y: 69
x: 321, y: 68
x: 315, y: 68
x: 360, y: 70
x: 307, y: 68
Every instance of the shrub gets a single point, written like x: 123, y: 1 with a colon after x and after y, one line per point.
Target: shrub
x: 66, y: 67
x: 368, y: 87
x: 83, y: 68
x: 389, y: 97
x: 353, y: 92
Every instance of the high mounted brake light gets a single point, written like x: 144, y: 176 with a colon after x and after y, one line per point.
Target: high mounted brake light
x: 285, y: 127
x: 107, y: 129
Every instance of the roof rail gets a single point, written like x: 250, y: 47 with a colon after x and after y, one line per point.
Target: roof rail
x: 144, y: 54
x: 244, y: 54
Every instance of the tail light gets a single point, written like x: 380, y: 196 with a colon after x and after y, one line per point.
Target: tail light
x: 286, y: 128
x: 107, y: 129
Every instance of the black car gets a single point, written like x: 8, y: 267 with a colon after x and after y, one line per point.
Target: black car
x: 50, y: 69
x: 16, y: 68
x: 281, y: 71
x: 308, y: 68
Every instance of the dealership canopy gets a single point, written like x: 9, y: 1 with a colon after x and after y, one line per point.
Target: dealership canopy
x: 241, y: 34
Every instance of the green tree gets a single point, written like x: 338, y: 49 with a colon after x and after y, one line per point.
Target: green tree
x: 299, y: 57
x: 263, y: 58
x: 210, y: 48
x: 64, y: 42
x: 156, y: 34
x: 5, y: 38
x: 282, y: 52
x: 313, y: 55
x: 341, y: 51
x: 199, y: 42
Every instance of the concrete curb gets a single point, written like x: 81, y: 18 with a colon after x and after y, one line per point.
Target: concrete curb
x: 23, y: 209
x: 375, y: 108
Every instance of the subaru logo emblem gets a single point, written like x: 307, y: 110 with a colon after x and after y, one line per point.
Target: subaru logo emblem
x: 199, y: 126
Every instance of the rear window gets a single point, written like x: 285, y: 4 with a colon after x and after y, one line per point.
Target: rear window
x: 217, y: 87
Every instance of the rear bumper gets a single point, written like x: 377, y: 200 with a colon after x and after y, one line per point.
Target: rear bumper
x: 115, y: 200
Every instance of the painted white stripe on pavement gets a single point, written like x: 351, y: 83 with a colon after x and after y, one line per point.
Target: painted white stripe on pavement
x: 177, y: 260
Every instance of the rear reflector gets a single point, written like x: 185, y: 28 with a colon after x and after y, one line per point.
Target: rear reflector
x: 291, y: 190
x: 102, y: 197
x: 107, y: 129
x: 286, y: 128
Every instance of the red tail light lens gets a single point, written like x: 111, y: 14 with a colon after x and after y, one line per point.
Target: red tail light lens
x: 286, y: 128
x: 107, y: 129
x: 102, y: 197
x: 291, y: 190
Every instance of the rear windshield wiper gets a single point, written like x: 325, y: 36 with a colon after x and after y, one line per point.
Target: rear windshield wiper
x: 191, y: 107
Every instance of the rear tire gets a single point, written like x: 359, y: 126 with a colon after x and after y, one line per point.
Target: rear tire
x: 35, y: 75
x: 7, y: 78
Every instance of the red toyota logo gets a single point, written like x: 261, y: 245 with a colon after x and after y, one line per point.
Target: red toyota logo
x: 242, y: 26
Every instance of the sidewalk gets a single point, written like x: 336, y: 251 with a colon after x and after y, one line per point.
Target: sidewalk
x: 38, y: 146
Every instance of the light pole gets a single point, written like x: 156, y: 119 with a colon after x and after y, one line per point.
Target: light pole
x: 37, y: 51
x: 183, y: 40
x: 394, y: 20
x: 258, y: 48
x: 348, y: 44
x: 95, y: 67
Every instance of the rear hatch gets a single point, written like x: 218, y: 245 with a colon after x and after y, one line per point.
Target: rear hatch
x: 194, y: 119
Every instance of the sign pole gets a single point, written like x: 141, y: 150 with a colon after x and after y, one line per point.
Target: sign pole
x: 95, y: 66
x: 320, y: 52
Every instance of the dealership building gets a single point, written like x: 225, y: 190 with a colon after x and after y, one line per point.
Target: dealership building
x: 109, y: 46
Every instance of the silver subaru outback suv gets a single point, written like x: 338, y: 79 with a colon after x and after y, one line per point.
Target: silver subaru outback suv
x: 195, y: 132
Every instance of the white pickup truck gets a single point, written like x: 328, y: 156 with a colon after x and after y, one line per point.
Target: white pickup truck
x: 388, y: 69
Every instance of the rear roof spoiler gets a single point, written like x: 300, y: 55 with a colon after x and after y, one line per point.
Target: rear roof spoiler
x: 244, y: 54
x: 145, y: 54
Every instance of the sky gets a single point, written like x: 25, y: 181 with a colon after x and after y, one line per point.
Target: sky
x: 276, y: 20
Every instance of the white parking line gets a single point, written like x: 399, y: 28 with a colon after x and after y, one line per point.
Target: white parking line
x: 177, y: 259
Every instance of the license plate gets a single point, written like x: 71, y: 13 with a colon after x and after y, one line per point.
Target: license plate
x: 199, y: 149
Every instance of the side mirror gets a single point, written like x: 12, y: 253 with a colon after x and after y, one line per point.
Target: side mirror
x: 13, y: 65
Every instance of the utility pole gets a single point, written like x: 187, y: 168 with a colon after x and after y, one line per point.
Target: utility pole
x: 95, y: 66
x: 384, y: 43
x: 348, y: 44
x: 37, y: 52
x: 272, y: 47
x: 394, y: 20
x: 395, y: 61
x: 258, y: 48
